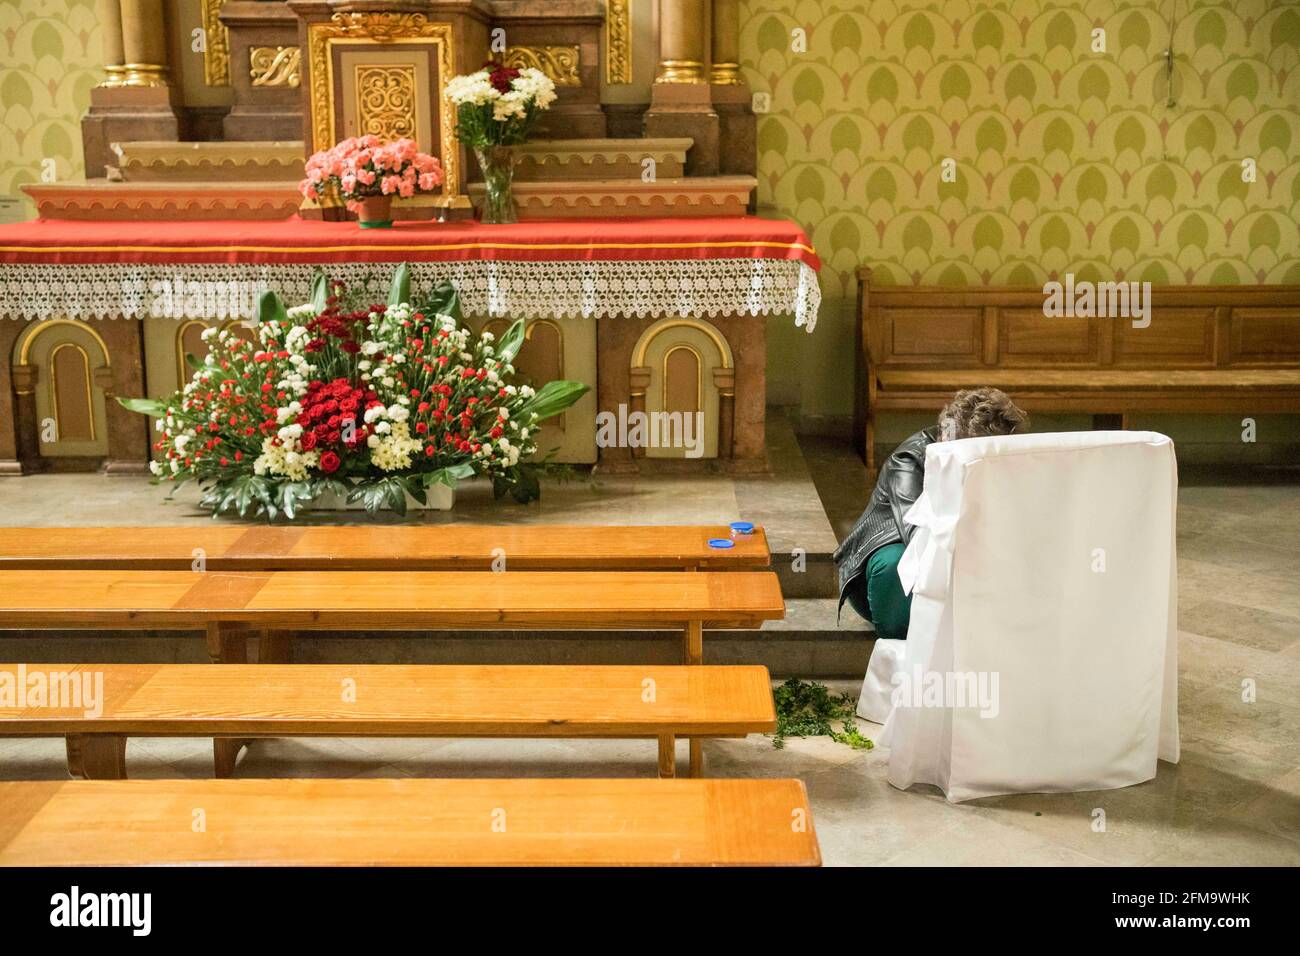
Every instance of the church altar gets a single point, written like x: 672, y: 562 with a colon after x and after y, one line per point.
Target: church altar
x: 677, y: 300
x: 684, y: 267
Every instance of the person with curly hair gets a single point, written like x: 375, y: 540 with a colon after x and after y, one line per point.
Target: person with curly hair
x: 867, y: 560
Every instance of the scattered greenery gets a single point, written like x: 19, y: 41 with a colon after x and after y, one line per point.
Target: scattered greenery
x: 807, y: 709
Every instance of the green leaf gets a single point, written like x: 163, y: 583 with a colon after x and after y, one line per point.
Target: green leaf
x: 270, y: 308
x: 293, y: 492
x: 447, y: 476
x: 320, y: 290
x: 193, y: 361
x: 145, y: 406
x: 400, y: 289
x: 553, y: 398
x: 443, y: 300
x: 510, y: 343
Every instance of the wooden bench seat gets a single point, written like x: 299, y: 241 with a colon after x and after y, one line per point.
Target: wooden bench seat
x: 385, y: 600
x: 389, y: 700
x: 407, y: 823
x: 450, y: 547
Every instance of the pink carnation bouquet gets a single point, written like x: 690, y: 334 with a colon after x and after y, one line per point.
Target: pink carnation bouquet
x: 364, y: 166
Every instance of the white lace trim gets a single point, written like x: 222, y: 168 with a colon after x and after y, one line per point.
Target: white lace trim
x: 694, y: 288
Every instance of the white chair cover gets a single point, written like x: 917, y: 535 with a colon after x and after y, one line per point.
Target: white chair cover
x: 1043, y: 565
x: 876, y: 699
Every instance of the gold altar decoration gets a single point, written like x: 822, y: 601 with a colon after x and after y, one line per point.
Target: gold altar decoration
x: 386, y: 101
x: 559, y: 63
x: 275, y: 65
x: 618, y: 41
x: 216, y: 45
x: 377, y: 29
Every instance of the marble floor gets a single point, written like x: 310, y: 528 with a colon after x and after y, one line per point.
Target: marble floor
x: 1234, y: 799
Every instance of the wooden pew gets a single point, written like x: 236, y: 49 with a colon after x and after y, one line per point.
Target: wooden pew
x: 384, y: 700
x: 221, y: 602
x: 407, y: 823
x: 224, y: 547
x: 1207, y: 349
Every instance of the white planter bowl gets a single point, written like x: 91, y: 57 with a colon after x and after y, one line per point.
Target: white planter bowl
x: 439, y: 496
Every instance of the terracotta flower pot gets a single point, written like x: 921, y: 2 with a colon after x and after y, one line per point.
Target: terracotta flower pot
x: 376, y: 212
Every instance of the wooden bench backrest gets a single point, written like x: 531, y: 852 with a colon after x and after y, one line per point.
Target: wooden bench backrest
x: 408, y: 822
x: 416, y: 700
x: 378, y: 600
x: 380, y: 548
x: 1192, y: 327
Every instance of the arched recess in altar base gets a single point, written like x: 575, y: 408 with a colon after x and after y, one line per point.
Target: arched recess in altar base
x: 558, y: 348
x: 189, y: 341
x: 63, y: 379
x: 685, y: 366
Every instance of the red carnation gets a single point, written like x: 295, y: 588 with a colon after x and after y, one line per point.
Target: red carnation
x: 329, y: 462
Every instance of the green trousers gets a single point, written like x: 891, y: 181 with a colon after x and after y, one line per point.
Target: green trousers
x: 878, y: 596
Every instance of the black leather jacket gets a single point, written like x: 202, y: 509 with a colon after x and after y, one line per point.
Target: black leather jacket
x: 899, y: 485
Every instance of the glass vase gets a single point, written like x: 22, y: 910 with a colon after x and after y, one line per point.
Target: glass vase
x: 498, y: 165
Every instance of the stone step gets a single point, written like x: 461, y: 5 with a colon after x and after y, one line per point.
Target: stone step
x: 152, y: 161
x: 584, y: 199
x: 103, y: 199
x: 601, y: 159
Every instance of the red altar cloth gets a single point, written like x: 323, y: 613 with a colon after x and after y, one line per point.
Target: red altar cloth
x: 297, y: 241
x: 739, y: 265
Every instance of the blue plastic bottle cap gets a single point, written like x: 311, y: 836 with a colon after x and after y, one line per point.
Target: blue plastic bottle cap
x: 721, y: 543
x: 742, y: 527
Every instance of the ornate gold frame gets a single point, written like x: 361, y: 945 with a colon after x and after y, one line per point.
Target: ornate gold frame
x: 618, y: 41
x: 216, y: 44
x: 379, y: 28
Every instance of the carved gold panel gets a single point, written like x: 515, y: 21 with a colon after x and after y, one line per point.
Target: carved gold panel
x: 559, y: 63
x: 275, y: 65
x: 386, y: 100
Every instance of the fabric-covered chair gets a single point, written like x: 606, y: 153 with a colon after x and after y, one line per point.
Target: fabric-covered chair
x: 1042, y: 649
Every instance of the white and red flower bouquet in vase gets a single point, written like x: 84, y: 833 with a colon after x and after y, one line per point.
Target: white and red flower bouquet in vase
x: 366, y: 174
x: 345, y: 399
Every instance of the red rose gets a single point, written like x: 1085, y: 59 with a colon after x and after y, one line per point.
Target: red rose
x: 309, y: 442
x: 329, y: 462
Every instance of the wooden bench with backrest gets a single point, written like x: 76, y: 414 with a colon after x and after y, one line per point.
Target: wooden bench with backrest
x: 222, y: 602
x: 97, y: 706
x: 406, y: 822
x: 1210, y: 349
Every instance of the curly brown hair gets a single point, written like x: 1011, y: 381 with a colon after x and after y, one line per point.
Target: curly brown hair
x: 976, y: 412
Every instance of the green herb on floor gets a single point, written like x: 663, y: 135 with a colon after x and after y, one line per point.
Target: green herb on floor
x: 807, y: 709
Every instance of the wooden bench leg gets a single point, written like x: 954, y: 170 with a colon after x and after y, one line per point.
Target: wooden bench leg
x: 275, y: 647
x: 225, y: 751
x: 693, y: 643
x: 667, y: 755
x: 693, y: 653
x: 226, y: 646
x: 97, y: 756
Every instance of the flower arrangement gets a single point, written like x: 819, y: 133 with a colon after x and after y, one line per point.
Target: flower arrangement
x: 365, y: 171
x: 372, y: 402
x: 496, y: 110
x: 499, y: 105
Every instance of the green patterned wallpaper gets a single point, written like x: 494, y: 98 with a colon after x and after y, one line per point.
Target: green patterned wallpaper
x: 49, y: 60
x: 1066, y: 159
